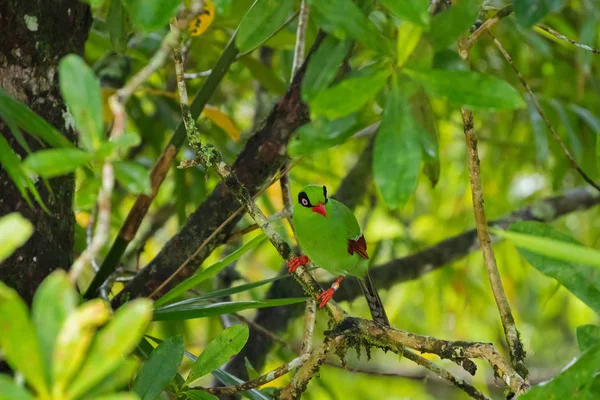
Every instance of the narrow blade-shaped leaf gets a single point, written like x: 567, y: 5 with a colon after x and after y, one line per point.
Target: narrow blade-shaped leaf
x: 321, y: 134
x: 9, y: 390
x: 447, y: 26
x: 423, y: 113
x: 15, y: 230
x: 227, y: 344
x: 265, y: 75
x: 133, y: 176
x: 263, y: 19
x: 159, y: 369
x: 581, y: 280
x: 54, y: 300
x: 117, y: 26
x: 588, y: 336
x: 149, y: 15
x: 81, y: 90
x: 323, y: 66
x: 209, y: 272
x: 217, y: 294
x: 471, y: 89
x: 348, y: 96
x: 199, y: 395
x: 128, y: 325
x: 19, y: 340
x: 56, y: 162
x: 12, y: 165
x: 188, y: 310
x: 397, y: 151
x: 530, y: 12
x: 344, y: 16
x: 414, y: 11
x: 573, y: 380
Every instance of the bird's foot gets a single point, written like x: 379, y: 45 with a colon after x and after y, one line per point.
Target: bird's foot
x: 325, y: 296
x: 296, y: 263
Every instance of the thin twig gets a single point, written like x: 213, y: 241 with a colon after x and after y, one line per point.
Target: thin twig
x: 300, y: 37
x: 566, y: 39
x: 542, y: 114
x: 264, y: 379
x: 195, y: 75
x: 465, y: 45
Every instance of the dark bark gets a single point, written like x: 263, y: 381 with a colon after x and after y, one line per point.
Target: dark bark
x: 34, y: 36
x: 263, y: 156
x: 400, y: 270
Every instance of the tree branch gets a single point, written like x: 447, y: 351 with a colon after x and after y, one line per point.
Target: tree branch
x: 566, y: 39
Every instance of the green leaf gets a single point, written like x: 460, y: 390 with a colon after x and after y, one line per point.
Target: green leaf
x: 414, y: 11
x: 119, y: 379
x: 73, y: 341
x: 470, y: 89
x: 539, y: 132
x: 530, y: 12
x: 135, y: 177
x: 187, y: 310
x: 15, y: 230
x: 581, y: 280
x: 161, y: 367
x: 217, y: 294
x: 209, y: 272
x: 149, y: 15
x: 397, y: 150
x: 343, y: 18
x: 573, y: 380
x: 56, y: 162
x: 423, y: 113
x: 23, y: 117
x: 408, y: 39
x: 116, y: 396
x: 263, y: 19
x: 199, y: 395
x: 321, y: 134
x: 323, y: 66
x: 114, y: 341
x: 348, y: 96
x: 227, y: 344
x: 94, y: 3
x: 227, y: 379
x: 19, y: 341
x: 447, y: 26
x: 81, y: 90
x: 117, y: 26
x: 588, y: 336
x: 9, y: 390
x: 265, y: 75
x: 54, y: 300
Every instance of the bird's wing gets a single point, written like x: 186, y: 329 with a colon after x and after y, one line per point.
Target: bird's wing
x: 349, y: 224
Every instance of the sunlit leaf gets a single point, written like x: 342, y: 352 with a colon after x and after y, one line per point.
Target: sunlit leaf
x: 199, y: 395
x: 200, y: 24
x: 397, y: 151
x: 9, y: 390
x: 81, y: 90
x: 105, y: 355
x: 408, y: 39
x: 447, y: 26
x: 262, y: 20
x: 19, y: 341
x: 588, y: 336
x: 227, y: 344
x: 323, y: 66
x: 119, y: 379
x: 414, y: 11
x: 116, y: 396
x: 56, y: 162
x: 344, y: 19
x: 191, y: 310
x: 159, y: 369
x: 134, y: 176
x: 471, y: 89
x: 348, y: 96
x: 321, y: 134
x: 149, y: 15
x: 209, y: 272
x: 14, y: 233
x: 218, y: 294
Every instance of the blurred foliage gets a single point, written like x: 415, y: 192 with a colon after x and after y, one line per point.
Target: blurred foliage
x: 395, y: 42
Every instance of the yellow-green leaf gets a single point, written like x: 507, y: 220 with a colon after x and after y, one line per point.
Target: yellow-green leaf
x: 408, y: 39
x: 14, y: 233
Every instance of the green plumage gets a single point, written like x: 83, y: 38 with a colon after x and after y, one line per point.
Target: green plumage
x: 325, y: 239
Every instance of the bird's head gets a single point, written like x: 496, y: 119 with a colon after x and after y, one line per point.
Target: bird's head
x: 314, y: 197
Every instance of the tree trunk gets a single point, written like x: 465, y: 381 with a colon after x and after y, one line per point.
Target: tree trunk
x: 34, y: 36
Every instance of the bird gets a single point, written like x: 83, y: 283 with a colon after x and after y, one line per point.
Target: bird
x: 331, y: 238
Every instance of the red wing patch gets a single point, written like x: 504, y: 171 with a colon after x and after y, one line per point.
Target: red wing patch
x: 358, y: 246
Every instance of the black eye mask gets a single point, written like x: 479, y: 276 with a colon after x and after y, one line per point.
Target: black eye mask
x: 303, y: 200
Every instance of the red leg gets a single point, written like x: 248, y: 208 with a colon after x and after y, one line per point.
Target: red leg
x: 297, y: 262
x: 326, y: 295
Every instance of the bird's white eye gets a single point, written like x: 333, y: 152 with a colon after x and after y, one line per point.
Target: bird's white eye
x: 304, y: 202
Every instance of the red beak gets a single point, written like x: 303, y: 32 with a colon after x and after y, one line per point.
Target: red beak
x: 320, y: 209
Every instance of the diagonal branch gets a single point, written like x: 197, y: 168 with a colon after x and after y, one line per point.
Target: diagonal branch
x: 566, y: 39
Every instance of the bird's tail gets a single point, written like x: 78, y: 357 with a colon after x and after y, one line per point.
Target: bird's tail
x: 373, y: 300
